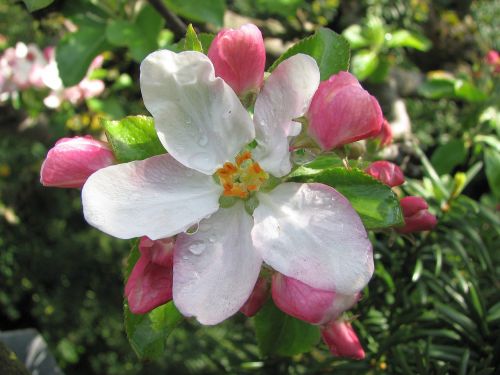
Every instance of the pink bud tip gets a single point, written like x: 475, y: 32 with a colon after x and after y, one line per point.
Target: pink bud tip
x: 150, y: 282
x: 304, y: 302
x: 72, y: 160
x: 257, y: 299
x: 386, y: 172
x: 385, y: 135
x: 342, y: 112
x: 300, y: 300
x: 342, y: 340
x: 416, y: 216
x: 239, y: 58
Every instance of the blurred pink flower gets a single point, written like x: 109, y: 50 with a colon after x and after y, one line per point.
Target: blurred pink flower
x: 85, y: 89
x: 72, y: 160
x: 21, y: 67
x: 239, y: 58
x: 493, y: 59
x: 342, y: 112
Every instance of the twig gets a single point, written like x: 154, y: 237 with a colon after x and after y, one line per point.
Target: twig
x: 175, y: 23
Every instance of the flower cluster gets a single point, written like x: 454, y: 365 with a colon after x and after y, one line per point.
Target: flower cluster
x: 221, y: 227
x: 25, y: 66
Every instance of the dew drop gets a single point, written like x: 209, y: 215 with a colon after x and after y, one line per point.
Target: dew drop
x: 193, y: 229
x: 197, y: 247
x: 203, y: 140
x: 303, y: 156
x: 227, y: 114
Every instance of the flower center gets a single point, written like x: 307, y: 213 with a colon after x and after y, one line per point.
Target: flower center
x: 242, y: 178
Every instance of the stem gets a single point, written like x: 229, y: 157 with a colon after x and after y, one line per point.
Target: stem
x: 175, y: 23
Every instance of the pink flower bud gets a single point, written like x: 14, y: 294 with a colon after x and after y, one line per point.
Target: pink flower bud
x: 72, y: 160
x: 416, y: 216
x: 257, y: 299
x: 306, y: 303
x: 493, y: 59
x: 385, y: 135
x: 342, y: 112
x: 239, y: 58
x: 386, y: 172
x: 342, y: 340
x: 150, y: 282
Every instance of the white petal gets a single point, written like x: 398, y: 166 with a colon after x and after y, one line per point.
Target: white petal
x: 311, y: 232
x: 157, y: 197
x: 216, y: 268
x: 285, y: 96
x: 199, y: 118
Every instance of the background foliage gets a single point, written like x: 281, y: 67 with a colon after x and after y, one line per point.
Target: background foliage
x: 433, y: 304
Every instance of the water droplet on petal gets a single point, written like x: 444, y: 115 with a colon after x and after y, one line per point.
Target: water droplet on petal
x: 193, y: 229
x: 203, y: 140
x: 197, y: 247
x: 303, y: 156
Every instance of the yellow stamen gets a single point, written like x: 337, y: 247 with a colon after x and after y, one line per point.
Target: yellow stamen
x: 242, y: 178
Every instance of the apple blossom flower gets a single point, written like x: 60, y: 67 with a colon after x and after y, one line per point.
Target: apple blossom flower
x: 85, y: 89
x: 386, y: 172
x: 342, y: 339
x: 239, y: 58
x: 257, y: 299
x: 308, y: 231
x: 416, y: 215
x: 72, y: 160
x: 150, y: 282
x: 493, y: 59
x: 342, y: 112
x: 21, y: 67
x: 312, y: 305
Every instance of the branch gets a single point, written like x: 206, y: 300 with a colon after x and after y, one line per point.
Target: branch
x: 174, y: 23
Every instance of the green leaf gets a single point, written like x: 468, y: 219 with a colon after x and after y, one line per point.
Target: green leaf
x: 148, y: 333
x: 364, y: 63
x: 355, y: 37
x: 278, y: 333
x: 375, y: 31
x: 133, y: 138
x: 375, y: 202
x: 437, y: 89
x: 120, y: 32
x: 405, y: 38
x: 329, y: 49
x: 206, y: 40
x: 285, y: 8
x: 199, y: 10
x: 33, y: 5
x: 467, y: 91
x: 191, y: 42
x: 380, y: 74
x: 149, y: 24
x: 75, y: 51
x: 448, y: 156
x: 492, y: 167
x: 141, y: 36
